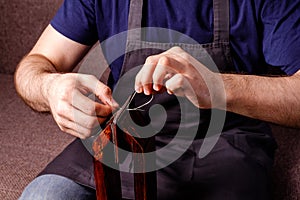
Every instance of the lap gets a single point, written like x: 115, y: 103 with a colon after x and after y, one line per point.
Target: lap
x: 49, y: 187
x: 225, y: 173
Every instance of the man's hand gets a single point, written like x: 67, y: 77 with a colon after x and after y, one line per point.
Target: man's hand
x: 272, y: 99
x: 182, y: 75
x: 72, y: 110
x: 43, y: 81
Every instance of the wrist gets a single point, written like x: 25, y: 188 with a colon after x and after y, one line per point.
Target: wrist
x: 233, y: 90
x: 47, y: 82
x: 220, y: 89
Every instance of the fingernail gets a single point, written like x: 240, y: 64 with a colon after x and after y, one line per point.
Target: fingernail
x: 170, y: 92
x: 138, y: 89
x: 147, y: 92
x: 156, y: 87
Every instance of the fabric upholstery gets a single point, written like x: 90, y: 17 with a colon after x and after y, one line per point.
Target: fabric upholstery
x: 21, y: 24
x: 286, y: 172
x: 29, y: 140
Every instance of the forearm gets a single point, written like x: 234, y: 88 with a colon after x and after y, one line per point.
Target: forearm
x: 273, y: 99
x: 32, y: 78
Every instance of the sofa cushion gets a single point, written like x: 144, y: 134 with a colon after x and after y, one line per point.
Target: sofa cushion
x: 286, y: 171
x: 21, y: 24
x: 29, y: 141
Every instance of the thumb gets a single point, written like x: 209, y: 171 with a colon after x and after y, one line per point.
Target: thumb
x: 101, y: 91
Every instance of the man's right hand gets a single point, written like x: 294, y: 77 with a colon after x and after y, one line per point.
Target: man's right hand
x: 43, y: 80
x: 72, y: 109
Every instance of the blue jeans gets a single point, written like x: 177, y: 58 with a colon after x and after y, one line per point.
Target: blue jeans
x: 50, y: 187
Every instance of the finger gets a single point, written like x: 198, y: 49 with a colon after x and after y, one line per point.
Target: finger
x: 71, y: 132
x: 101, y: 120
x: 67, y: 111
x: 137, y: 84
x: 146, y: 78
x: 84, y: 120
x: 75, y: 133
x: 74, y: 129
x: 176, y: 85
x: 103, y: 92
x: 83, y: 103
x: 180, y: 86
x: 102, y: 110
x: 143, y: 81
x: 194, y: 67
x: 90, y: 107
x: 165, y: 70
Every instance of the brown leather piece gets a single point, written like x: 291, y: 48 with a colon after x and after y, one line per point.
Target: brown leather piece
x: 106, y: 177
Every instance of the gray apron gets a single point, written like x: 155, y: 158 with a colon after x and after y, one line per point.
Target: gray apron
x: 185, y: 168
x: 138, y: 50
x: 189, y: 176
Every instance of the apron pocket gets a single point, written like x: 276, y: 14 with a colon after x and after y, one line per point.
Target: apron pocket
x: 180, y: 169
x: 257, y: 146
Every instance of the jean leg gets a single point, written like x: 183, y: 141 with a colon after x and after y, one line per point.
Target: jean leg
x: 49, y: 187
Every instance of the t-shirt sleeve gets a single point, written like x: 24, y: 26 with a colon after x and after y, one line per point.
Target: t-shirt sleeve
x: 75, y: 19
x: 281, y: 34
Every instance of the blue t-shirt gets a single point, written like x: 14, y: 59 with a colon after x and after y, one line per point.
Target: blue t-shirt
x: 263, y: 33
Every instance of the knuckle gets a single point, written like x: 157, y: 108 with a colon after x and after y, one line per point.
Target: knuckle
x: 164, y: 61
x: 184, y: 56
x: 91, y: 123
x: 59, y: 121
x: 169, y: 85
x: 63, y: 124
x: 62, y: 128
x: 103, y: 89
x: 89, y: 77
x: 68, y: 84
x: 106, y: 90
x: 83, y: 137
x: 150, y: 59
x: 180, y: 80
x: 63, y: 92
x: 177, y: 49
x: 68, y: 131
x: 86, y: 123
x: 86, y: 134
x: 77, y: 134
x: 90, y: 110
x: 61, y: 109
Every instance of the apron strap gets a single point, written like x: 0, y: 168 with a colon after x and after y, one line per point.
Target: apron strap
x: 221, y: 20
x: 135, y: 20
x: 221, y: 9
